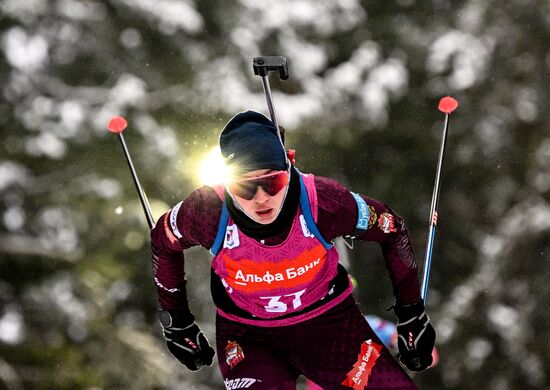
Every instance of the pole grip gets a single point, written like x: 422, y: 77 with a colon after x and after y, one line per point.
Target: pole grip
x: 265, y: 64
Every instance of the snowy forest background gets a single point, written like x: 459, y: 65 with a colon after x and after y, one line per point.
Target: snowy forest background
x: 77, y: 304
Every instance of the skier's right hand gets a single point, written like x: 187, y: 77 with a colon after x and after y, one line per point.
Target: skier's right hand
x: 185, y: 340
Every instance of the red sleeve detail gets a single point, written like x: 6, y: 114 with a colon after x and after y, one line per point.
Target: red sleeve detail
x: 168, y: 230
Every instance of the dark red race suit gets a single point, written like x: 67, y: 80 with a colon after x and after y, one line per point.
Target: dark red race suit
x: 337, y: 349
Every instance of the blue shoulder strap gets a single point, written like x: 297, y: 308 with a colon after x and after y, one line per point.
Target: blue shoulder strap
x: 308, y: 216
x: 222, y: 227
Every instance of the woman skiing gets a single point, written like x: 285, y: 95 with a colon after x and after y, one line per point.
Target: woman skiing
x: 284, y: 303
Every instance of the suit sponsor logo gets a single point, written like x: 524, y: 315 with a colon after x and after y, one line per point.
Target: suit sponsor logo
x: 372, y: 216
x: 253, y: 276
x: 357, y: 378
x: 239, y: 383
x: 362, y: 212
x: 386, y: 223
x: 305, y: 229
x: 174, y: 220
x: 231, y: 237
x: 234, y: 354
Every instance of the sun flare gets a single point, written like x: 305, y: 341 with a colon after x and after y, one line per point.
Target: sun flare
x: 212, y: 169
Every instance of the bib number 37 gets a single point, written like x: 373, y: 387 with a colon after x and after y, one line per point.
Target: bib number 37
x: 277, y: 303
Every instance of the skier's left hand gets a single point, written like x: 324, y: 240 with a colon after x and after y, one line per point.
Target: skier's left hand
x: 416, y: 336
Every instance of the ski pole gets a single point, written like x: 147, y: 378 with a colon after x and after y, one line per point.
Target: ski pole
x: 262, y: 66
x: 117, y: 125
x: 446, y: 105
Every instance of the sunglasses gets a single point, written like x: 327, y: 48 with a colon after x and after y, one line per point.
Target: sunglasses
x: 271, y: 183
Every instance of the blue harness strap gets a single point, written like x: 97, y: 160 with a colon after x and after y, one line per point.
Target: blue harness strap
x: 308, y: 216
x: 222, y: 227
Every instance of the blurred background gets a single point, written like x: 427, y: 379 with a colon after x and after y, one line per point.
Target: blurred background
x: 77, y: 303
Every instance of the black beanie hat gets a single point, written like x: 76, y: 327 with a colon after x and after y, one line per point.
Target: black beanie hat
x: 250, y: 141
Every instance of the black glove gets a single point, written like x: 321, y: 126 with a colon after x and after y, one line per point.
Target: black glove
x: 185, y: 340
x: 416, y: 336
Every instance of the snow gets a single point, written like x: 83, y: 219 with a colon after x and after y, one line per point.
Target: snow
x: 346, y: 77
x: 319, y: 15
x: 374, y: 101
x: 308, y: 58
x: 106, y: 188
x: 72, y: 115
x: 131, y: 38
x: 464, y: 54
x: 11, y: 326
x: 60, y: 291
x: 128, y: 90
x: 26, y: 11
x: 246, y: 41
x: 161, y: 139
x: 120, y: 290
x: 58, y: 230
x: 477, y: 349
x: 46, y: 144
x: 42, y: 105
x: 471, y: 17
x: 506, y: 319
x: 526, y: 104
x: 529, y: 217
x: 23, y: 51
x: 12, y: 173
x: 391, y: 75
x: 493, y: 134
x: 172, y: 15
x: 14, y: 218
x: 87, y: 10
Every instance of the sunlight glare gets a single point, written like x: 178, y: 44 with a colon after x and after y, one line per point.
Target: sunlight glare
x: 212, y: 169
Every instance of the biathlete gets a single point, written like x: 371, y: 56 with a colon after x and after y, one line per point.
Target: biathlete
x: 284, y: 303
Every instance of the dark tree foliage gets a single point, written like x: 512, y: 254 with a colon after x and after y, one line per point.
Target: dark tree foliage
x: 77, y: 301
